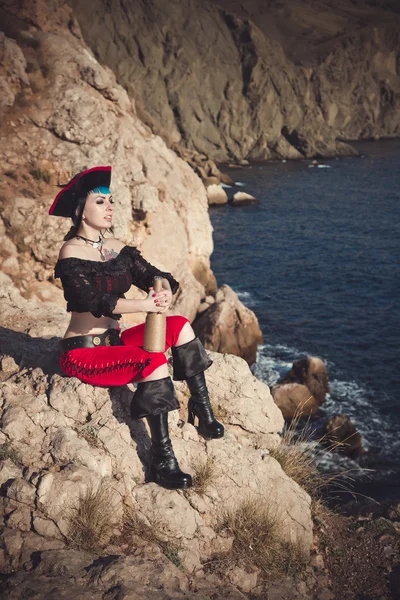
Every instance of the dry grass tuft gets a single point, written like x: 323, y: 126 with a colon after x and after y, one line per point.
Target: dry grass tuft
x: 91, y: 522
x: 153, y: 533
x: 41, y: 175
x: 255, y: 527
x: 204, y: 474
x: 11, y: 175
x: 7, y: 451
x: 90, y: 435
x: 297, y: 454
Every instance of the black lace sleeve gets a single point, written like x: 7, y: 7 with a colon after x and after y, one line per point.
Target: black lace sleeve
x: 81, y: 292
x: 143, y: 272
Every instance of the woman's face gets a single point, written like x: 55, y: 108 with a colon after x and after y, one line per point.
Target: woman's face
x: 99, y: 209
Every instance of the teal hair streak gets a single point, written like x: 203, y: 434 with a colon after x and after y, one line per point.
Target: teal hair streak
x: 100, y: 190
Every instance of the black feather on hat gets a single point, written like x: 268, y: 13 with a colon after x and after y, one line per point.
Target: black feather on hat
x: 66, y: 201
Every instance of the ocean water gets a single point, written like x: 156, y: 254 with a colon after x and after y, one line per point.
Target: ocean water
x: 318, y: 261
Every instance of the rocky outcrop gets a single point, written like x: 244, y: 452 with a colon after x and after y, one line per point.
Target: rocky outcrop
x: 254, y: 80
x: 72, y: 114
x: 303, y: 389
x: 225, y: 325
x: 61, y: 441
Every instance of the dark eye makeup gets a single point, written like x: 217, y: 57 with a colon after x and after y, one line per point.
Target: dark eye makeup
x: 101, y: 200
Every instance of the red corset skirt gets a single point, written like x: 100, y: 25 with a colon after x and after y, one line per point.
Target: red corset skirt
x: 108, y: 366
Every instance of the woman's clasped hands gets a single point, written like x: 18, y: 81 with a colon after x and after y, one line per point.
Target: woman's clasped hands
x: 159, y: 302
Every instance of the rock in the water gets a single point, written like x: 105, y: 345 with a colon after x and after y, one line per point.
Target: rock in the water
x: 303, y: 389
x: 310, y: 371
x: 226, y: 179
x: 228, y: 326
x: 294, y: 400
x: 241, y: 198
x: 216, y: 195
x: 342, y: 436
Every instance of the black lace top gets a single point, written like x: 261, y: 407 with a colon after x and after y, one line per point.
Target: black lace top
x: 93, y: 286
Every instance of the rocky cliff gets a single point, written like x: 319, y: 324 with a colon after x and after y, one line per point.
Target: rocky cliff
x: 63, y: 112
x: 256, y: 80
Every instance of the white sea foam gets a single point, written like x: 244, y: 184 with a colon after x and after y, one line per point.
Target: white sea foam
x: 320, y: 166
x: 225, y: 185
x: 244, y: 296
x: 347, y: 397
x: 273, y: 361
x: 239, y: 183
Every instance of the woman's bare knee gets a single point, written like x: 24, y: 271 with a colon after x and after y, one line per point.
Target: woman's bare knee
x: 186, y: 335
x: 158, y: 373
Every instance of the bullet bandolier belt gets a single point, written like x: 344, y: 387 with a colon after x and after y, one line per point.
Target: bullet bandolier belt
x: 109, y: 338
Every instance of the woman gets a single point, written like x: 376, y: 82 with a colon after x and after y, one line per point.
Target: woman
x: 95, y: 273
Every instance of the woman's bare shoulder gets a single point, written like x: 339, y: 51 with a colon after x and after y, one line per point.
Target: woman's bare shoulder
x: 75, y: 249
x: 72, y: 250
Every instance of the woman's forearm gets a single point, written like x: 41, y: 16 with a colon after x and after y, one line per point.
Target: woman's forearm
x: 126, y: 305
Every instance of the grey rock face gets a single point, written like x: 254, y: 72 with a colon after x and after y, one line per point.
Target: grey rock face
x: 239, y: 81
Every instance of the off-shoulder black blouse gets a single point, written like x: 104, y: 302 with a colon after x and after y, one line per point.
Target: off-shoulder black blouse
x: 94, y: 286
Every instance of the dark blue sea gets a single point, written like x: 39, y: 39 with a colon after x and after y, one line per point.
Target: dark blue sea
x: 318, y: 261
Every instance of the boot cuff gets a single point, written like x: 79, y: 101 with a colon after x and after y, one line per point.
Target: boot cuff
x: 189, y: 359
x: 153, y: 398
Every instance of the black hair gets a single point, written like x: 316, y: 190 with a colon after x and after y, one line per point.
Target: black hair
x: 76, y: 219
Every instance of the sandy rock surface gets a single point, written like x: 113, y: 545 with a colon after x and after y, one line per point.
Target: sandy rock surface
x: 71, y: 574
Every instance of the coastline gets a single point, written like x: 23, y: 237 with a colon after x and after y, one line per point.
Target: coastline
x: 287, y: 332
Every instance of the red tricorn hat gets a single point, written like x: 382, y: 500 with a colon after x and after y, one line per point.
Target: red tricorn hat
x: 66, y: 201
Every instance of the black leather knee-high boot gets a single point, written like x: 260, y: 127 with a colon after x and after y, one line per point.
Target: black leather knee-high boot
x: 153, y: 400
x: 189, y: 363
x: 199, y: 406
x: 165, y: 469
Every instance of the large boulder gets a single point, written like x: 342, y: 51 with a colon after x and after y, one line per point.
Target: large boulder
x: 229, y: 326
x: 216, y: 195
x: 303, y: 389
x: 294, y: 399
